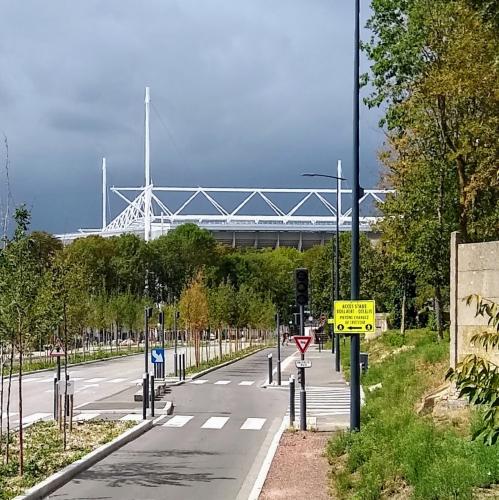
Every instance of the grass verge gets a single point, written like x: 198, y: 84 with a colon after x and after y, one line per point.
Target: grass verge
x: 44, y: 452
x: 226, y: 357
x: 398, y: 453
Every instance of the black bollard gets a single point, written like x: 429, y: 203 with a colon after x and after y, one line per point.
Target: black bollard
x: 144, y: 396
x: 152, y: 395
x: 269, y: 357
x: 291, y: 400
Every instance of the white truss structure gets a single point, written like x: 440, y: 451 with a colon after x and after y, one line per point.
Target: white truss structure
x: 151, y: 211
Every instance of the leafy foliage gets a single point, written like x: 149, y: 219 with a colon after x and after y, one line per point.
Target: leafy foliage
x: 477, y: 378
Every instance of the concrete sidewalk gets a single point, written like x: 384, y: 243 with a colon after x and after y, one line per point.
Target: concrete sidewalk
x: 328, y: 394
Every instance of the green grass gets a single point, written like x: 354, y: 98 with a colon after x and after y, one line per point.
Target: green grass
x: 44, y: 452
x: 226, y: 357
x: 398, y: 450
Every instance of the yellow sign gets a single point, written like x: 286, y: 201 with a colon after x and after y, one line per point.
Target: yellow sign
x: 354, y: 316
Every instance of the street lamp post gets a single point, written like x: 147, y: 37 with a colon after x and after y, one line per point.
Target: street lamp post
x: 336, y: 273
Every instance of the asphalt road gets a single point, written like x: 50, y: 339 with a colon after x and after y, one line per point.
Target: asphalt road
x: 212, y: 447
x: 93, y: 382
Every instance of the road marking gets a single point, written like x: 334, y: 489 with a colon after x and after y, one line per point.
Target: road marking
x: 45, y: 380
x: 77, y: 378
x: 116, y: 380
x: 135, y: 417
x: 93, y: 380
x: 253, y: 424
x: 85, y: 416
x: 247, y: 382
x: 223, y: 382
x: 35, y: 417
x: 32, y: 379
x: 199, y: 381
x: 178, y: 421
x: 85, y: 387
x: 215, y: 423
x: 12, y: 414
x: 159, y: 419
x: 136, y: 381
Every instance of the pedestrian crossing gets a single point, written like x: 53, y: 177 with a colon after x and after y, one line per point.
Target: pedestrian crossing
x: 246, y: 383
x: 324, y: 401
x: 214, y: 423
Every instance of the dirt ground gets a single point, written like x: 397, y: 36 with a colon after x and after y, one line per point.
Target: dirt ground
x: 299, y: 469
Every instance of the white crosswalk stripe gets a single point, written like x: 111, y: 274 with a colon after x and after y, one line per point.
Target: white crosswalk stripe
x: 247, y: 382
x: 94, y: 380
x: 30, y: 419
x: 324, y: 401
x: 215, y: 423
x: 223, y: 382
x: 85, y: 416
x: 134, y: 417
x: 178, y: 421
x: 116, y: 380
x: 199, y: 381
x: 253, y: 424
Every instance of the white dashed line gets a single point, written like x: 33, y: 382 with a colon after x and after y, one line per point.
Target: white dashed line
x: 223, y: 382
x: 94, y: 380
x: 116, y: 380
x: 199, y: 381
x: 247, y: 382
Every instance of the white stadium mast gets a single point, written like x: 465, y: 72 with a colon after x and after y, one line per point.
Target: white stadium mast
x: 147, y: 168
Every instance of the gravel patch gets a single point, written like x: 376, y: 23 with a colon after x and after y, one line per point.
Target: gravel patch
x: 299, y: 468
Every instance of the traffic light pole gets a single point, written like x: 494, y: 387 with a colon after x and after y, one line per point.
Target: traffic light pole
x: 355, y: 283
x: 278, y: 350
x: 303, y: 394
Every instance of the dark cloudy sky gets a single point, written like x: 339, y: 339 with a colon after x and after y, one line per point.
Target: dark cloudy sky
x: 244, y: 92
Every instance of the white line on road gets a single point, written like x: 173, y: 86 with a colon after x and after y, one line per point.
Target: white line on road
x: 35, y: 417
x: 247, y: 382
x: 32, y: 379
x: 85, y: 416
x: 253, y: 424
x: 199, y: 381
x: 94, y: 380
x: 215, y: 423
x: 135, y: 417
x: 116, y: 380
x: 45, y: 380
x: 223, y: 382
x: 178, y: 421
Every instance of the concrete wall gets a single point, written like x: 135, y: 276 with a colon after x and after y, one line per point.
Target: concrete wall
x: 474, y: 269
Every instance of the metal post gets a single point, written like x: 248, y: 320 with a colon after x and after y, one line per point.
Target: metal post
x: 278, y: 350
x: 269, y: 357
x: 303, y: 394
x: 291, y: 400
x: 66, y: 397
x: 355, y: 339
x: 303, y: 402
x: 183, y: 366
x: 176, y: 335
x: 144, y: 396
x: 147, y: 315
x: 178, y: 365
x: 337, y: 261
x: 152, y: 395
x: 58, y: 349
x: 56, y: 395
x: 162, y: 327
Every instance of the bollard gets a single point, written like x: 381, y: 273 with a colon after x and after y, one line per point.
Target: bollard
x: 144, y: 395
x: 56, y: 396
x: 183, y: 366
x: 269, y: 357
x: 175, y: 368
x: 291, y: 400
x: 152, y: 394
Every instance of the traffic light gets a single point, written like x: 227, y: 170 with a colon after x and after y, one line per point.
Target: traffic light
x: 301, y: 286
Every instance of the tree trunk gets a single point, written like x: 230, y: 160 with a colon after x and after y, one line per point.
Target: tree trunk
x: 9, y: 387
x: 20, y: 395
x: 402, y: 315
x: 2, y: 362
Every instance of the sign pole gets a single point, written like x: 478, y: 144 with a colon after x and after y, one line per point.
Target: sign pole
x: 303, y: 394
x: 278, y: 351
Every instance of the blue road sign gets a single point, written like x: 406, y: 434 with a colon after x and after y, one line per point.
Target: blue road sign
x: 157, y: 355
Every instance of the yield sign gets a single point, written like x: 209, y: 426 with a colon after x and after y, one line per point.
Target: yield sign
x: 56, y: 354
x: 302, y: 342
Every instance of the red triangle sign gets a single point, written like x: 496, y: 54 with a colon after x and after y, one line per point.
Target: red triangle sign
x: 302, y: 342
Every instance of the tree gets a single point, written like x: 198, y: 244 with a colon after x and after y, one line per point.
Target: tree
x: 194, y: 311
x: 477, y: 378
